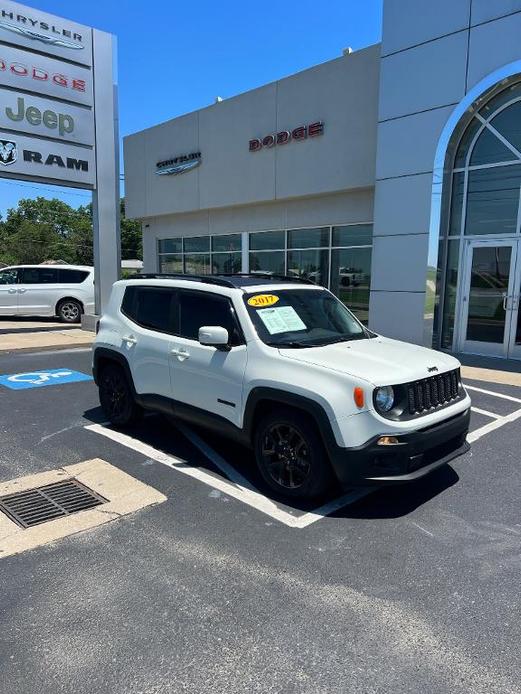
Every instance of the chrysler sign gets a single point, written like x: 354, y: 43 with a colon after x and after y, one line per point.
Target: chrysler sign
x: 179, y: 164
x: 298, y: 134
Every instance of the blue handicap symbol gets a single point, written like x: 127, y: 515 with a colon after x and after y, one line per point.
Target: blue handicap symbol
x: 40, y: 379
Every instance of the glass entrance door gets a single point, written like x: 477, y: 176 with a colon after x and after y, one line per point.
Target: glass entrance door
x: 513, y: 305
x: 489, y: 299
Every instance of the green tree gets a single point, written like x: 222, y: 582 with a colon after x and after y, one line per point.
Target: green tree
x: 40, y: 229
x: 131, y: 238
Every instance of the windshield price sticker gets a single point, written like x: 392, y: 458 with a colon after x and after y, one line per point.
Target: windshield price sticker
x: 262, y: 300
x: 283, y: 319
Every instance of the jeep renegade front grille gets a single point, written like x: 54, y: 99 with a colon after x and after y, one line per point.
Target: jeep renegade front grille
x: 434, y: 391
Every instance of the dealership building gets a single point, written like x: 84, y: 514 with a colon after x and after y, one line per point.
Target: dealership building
x: 390, y: 175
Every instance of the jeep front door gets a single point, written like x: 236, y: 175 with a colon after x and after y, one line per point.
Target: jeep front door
x: 205, y: 377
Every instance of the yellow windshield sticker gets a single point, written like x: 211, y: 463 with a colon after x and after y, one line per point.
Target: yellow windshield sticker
x: 263, y: 300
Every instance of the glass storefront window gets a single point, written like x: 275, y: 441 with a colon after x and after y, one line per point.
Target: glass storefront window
x: 308, y: 238
x: 270, y: 261
x: 171, y: 263
x: 456, y: 203
x: 493, y: 200
x: 197, y: 244
x: 226, y: 243
x: 467, y: 139
x: 507, y: 124
x: 310, y: 264
x: 197, y: 264
x: 351, y: 279
x: 267, y: 240
x: 451, y: 288
x: 170, y: 245
x: 226, y: 263
x: 353, y: 235
x: 488, y: 150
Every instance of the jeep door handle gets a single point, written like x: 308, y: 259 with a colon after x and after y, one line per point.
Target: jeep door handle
x: 130, y: 339
x: 22, y: 291
x: 12, y: 291
x: 181, y: 354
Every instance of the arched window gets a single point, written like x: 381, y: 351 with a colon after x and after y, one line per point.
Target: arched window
x: 485, y: 189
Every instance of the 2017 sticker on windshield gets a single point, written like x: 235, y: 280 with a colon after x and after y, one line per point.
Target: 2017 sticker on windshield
x: 283, y: 319
x: 262, y: 300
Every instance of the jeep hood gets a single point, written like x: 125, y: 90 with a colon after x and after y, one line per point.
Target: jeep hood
x: 380, y: 360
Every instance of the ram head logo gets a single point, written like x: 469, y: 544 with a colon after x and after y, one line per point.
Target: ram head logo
x: 8, y: 152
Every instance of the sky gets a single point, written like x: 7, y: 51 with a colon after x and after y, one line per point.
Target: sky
x: 178, y: 56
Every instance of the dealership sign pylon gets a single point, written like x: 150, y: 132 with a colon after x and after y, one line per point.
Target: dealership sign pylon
x: 58, y: 118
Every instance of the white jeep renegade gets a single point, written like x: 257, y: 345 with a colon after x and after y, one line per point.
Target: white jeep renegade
x: 281, y: 365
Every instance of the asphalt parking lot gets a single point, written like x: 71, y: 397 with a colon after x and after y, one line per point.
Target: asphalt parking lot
x: 224, y: 589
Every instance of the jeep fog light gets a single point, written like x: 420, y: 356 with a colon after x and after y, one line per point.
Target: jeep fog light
x: 384, y: 398
x: 387, y: 441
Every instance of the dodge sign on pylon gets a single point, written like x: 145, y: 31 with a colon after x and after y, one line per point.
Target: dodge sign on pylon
x: 58, y: 117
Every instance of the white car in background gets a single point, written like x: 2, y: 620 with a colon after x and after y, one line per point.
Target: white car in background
x: 65, y: 291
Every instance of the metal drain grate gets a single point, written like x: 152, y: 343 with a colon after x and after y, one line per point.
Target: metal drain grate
x: 43, y: 504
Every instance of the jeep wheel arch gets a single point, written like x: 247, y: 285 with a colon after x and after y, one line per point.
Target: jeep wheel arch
x: 262, y: 399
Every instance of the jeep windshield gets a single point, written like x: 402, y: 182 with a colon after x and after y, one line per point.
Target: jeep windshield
x: 298, y: 318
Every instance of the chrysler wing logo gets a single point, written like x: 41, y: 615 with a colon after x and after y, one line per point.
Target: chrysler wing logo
x: 36, y: 36
x: 178, y: 165
x: 431, y: 369
x: 8, y: 152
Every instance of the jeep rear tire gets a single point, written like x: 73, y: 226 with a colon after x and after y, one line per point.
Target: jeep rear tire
x: 116, y: 398
x: 290, y: 455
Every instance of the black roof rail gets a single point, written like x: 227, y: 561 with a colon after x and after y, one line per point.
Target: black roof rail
x: 268, y: 276
x: 207, y: 279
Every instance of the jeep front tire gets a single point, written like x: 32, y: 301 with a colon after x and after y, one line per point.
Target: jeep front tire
x: 290, y: 454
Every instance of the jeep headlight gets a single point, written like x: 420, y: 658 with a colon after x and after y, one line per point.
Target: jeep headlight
x: 384, y: 398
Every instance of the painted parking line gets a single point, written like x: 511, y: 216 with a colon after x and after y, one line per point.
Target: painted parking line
x: 237, y: 487
x: 491, y: 392
x: 40, y: 379
x: 485, y: 413
x: 498, y: 420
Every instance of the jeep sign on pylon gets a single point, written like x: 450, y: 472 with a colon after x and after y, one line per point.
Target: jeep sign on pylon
x: 58, y: 117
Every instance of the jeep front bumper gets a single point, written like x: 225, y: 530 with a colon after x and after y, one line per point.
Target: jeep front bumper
x: 415, y: 455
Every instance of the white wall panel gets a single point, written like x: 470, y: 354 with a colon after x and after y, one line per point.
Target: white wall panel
x: 424, y: 77
x: 397, y: 315
x: 399, y: 263
x: 407, y: 23
x: 407, y: 145
x: 493, y: 45
x: 403, y: 205
x: 485, y: 10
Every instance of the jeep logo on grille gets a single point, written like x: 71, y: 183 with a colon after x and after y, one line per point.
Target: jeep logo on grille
x: 431, y: 369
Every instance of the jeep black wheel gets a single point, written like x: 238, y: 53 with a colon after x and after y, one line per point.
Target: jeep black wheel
x: 116, y: 397
x: 291, y: 456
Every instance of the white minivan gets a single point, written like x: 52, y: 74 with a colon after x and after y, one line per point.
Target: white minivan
x: 65, y: 291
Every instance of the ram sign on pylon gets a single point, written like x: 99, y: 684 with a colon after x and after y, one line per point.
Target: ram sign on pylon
x: 58, y: 120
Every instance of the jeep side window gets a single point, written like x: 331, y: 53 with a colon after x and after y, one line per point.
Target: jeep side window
x: 202, y: 308
x: 150, y: 307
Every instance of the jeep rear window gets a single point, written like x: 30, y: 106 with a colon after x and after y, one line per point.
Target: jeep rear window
x: 302, y: 318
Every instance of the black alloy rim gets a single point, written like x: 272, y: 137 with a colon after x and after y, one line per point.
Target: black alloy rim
x: 115, y: 394
x: 286, y: 455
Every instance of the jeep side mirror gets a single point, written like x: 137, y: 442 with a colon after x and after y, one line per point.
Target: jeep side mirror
x: 214, y: 336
